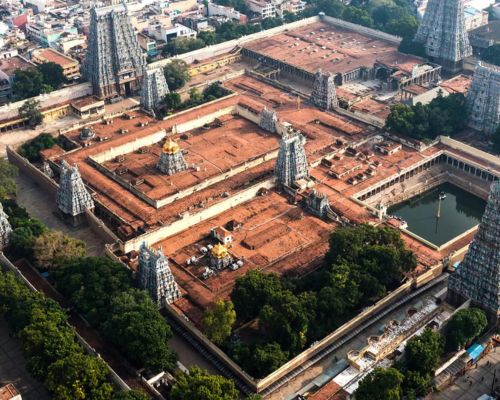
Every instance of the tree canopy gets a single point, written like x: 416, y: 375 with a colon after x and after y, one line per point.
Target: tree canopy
x: 43, y: 78
x: 200, y: 385
x: 219, y: 320
x: 31, y: 149
x: 53, y: 247
x: 8, y: 174
x: 176, y: 74
x: 380, y: 384
x: 422, y: 352
x: 464, y: 326
x: 52, y: 74
x: 31, y: 111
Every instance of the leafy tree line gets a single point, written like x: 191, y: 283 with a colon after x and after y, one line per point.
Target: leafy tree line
x: 49, y: 345
x: 411, y: 377
x: 362, y: 265
x: 8, y: 174
x: 442, y: 116
x: 43, y: 78
x: 31, y: 149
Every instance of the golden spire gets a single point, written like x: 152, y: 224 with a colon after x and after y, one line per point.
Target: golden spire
x: 219, y: 251
x: 170, y: 147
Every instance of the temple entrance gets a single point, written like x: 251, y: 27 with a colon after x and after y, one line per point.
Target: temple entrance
x: 128, y: 89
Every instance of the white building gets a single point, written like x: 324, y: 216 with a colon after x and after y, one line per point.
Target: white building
x: 265, y: 9
x: 168, y: 33
x: 228, y: 12
x: 475, y: 18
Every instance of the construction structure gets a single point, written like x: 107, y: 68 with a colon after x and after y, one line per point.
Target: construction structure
x: 324, y: 94
x: 5, y: 229
x: 114, y: 62
x: 154, y: 276
x: 154, y: 88
x: 72, y: 196
x: 291, y: 164
x: 171, y: 159
x: 478, y: 276
x: 443, y: 33
x: 483, y: 98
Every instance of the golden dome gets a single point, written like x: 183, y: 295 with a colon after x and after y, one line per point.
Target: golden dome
x: 219, y: 251
x: 170, y: 147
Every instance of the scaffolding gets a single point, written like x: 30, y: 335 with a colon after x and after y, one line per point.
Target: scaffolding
x: 5, y: 229
x: 478, y: 276
x: 324, y: 94
x: 483, y: 98
x: 154, y: 88
x: 72, y: 196
x: 154, y: 276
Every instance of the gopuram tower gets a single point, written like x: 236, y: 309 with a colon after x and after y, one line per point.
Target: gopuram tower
x: 443, y: 33
x: 478, y: 276
x: 114, y: 62
x: 483, y: 98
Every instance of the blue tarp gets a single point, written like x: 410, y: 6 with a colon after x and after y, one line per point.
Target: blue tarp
x: 475, y: 350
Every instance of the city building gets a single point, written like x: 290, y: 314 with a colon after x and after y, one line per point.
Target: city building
x: 475, y: 18
x: 478, y: 276
x: 485, y: 36
x: 114, y: 62
x: 263, y: 8
x: 5, y: 229
x: 483, y: 98
x: 214, y: 9
x: 47, y: 31
x: 8, y: 67
x: 154, y: 276
x: 71, y: 68
x: 168, y: 32
x: 443, y: 33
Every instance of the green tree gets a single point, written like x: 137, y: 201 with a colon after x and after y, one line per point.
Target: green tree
x: 416, y: 384
x: 408, y: 46
x: 79, y: 377
x: 208, y: 37
x: 200, y: 385
x: 464, y: 326
x: 405, y: 27
x: 173, y: 101
x: 28, y: 83
x: 218, y: 321
x: 30, y: 110
x: 8, y: 174
x: 176, y: 74
x: 31, y: 149
x: 422, y: 353
x: 380, y: 384
x: 130, y: 395
x: 267, y: 358
x: 53, y: 248
x: 52, y: 74
x: 182, y: 45
x: 135, y: 325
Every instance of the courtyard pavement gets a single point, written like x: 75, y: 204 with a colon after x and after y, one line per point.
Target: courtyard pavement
x: 13, y: 368
x: 475, y: 382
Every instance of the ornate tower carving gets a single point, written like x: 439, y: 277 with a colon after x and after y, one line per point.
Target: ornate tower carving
x: 171, y: 159
x: 478, y: 276
x: 154, y: 275
x: 114, y: 62
x: 154, y: 88
x: 72, y: 196
x: 324, y: 94
x: 5, y: 229
x: 443, y: 33
x: 291, y: 163
x: 483, y: 98
x: 268, y: 120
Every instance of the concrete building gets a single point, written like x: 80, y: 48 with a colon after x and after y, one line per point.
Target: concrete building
x: 475, y: 18
x: 483, y: 98
x: 154, y: 88
x: 443, y: 33
x: 167, y: 33
x: 114, y: 62
x: 71, y: 68
x: 47, y: 31
x: 478, y: 276
x: 214, y: 9
x: 154, y: 276
x: 263, y: 8
x: 5, y: 229
x: 485, y: 36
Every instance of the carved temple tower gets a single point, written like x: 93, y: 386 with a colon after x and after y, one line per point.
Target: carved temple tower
x: 443, y: 33
x: 5, y: 229
x: 154, y: 88
x: 478, y: 276
x: 171, y: 159
x: 291, y: 164
x: 483, y: 98
x: 154, y: 276
x: 324, y: 94
x: 268, y: 120
x: 114, y: 62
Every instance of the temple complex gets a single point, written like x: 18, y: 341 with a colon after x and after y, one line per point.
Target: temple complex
x: 443, y: 33
x: 5, y: 229
x: 154, y: 275
x: 291, y: 164
x: 171, y: 159
x: 154, y: 88
x: 478, y: 276
x: 324, y: 94
x: 72, y: 196
x: 483, y: 98
x: 114, y: 62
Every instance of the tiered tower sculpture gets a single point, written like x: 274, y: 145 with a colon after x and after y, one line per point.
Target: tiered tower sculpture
x: 483, y: 98
x: 268, y: 120
x: 478, y: 276
x: 114, y: 62
x: 220, y: 257
x: 324, y: 94
x: 5, y: 229
x: 72, y: 196
x: 443, y: 33
x: 291, y: 163
x: 154, y: 275
x: 154, y: 88
x: 171, y: 159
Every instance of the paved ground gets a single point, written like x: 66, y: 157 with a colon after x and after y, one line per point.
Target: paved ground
x: 481, y: 378
x: 13, y: 368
